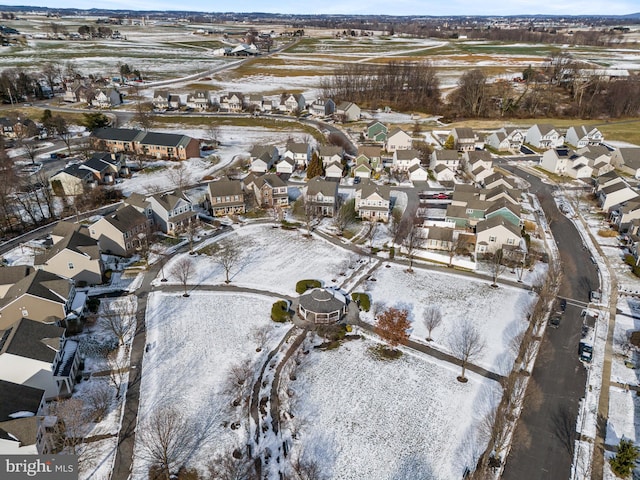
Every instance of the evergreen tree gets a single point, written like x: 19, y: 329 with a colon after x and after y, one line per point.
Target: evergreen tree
x: 315, y: 167
x: 450, y: 143
x: 625, y: 459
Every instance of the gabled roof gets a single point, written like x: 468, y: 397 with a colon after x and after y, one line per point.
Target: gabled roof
x: 609, y: 189
x: 440, y: 233
x: 368, y: 188
x: 161, y: 93
x: 369, y: 151
x: 125, y: 218
x: 137, y: 200
x: 630, y: 157
x: 270, y: 179
x: 395, y: 131
x: 329, y: 150
x: 407, y: 154
x: 39, y: 283
x: 479, y: 155
x: 594, y: 151
x: 76, y: 242
x: 169, y: 200
x: 502, y: 203
x: 11, y: 275
x: 415, y: 167
x: 496, y: 221
x: 225, y: 187
x: 35, y: 340
x: 118, y: 134
x: 16, y: 398
x: 375, y: 122
x: 499, y: 135
x: 301, y: 148
x: 98, y: 165
x: 544, y: 128
x: 463, y: 132
x: 498, y: 176
x: 325, y: 187
x: 165, y: 139
x: 446, y: 154
x: 259, y: 150
x: 76, y: 170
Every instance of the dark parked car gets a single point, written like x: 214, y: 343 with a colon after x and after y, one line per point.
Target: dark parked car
x: 554, y: 321
x: 563, y: 304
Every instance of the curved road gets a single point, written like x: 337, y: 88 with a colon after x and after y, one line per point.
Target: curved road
x: 545, y: 434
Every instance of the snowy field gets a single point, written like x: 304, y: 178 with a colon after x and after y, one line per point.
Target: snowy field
x: 194, y: 342
x: 500, y: 313
x: 272, y: 259
x: 427, y: 432
x: 624, y: 416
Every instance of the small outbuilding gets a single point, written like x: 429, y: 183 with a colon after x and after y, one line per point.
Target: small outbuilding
x: 322, y: 306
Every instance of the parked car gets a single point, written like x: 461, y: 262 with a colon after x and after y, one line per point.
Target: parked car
x: 442, y: 196
x: 585, y: 352
x: 563, y: 304
x: 554, y: 321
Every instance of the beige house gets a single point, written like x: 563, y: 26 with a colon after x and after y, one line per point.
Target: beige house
x: 39, y: 295
x: 398, y: 139
x: 464, y: 139
x: 495, y: 233
x: 372, y: 201
x: 121, y: 232
x: 615, y: 194
x: 226, y: 197
x: 322, y: 196
x: 269, y: 190
x: 627, y: 160
x: 19, y: 435
x: 71, y: 181
x: 76, y: 256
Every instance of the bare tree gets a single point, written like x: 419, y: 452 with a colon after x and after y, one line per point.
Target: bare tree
x: 394, y: 224
x: 227, y: 254
x: 497, y: 266
x: 67, y: 434
x: 180, y: 176
x: 466, y: 344
x: 345, y: 215
x: 431, y: 318
x: 168, y: 439
x: 99, y: 400
x: 190, y: 230
x: 232, y: 465
x: 260, y: 335
x: 118, y: 366
x: 306, y: 469
x: 119, y: 317
x: 372, y: 227
x: 213, y: 134
x: 183, y: 270
x: 413, y: 241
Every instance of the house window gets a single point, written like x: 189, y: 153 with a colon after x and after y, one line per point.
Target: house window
x: 469, y: 210
x: 25, y: 312
x: 70, y: 265
x: 510, y: 241
x: 492, y: 239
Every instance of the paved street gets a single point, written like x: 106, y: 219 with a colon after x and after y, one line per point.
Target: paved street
x: 544, y: 437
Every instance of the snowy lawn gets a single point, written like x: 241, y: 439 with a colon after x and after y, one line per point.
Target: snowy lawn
x: 624, y: 416
x: 363, y: 418
x: 625, y: 324
x: 500, y: 313
x: 193, y: 343
x: 272, y: 259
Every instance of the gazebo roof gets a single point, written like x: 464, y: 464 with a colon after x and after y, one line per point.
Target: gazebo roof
x: 320, y: 300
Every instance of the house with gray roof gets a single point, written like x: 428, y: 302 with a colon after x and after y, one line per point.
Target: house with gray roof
x: 583, y: 136
x: 263, y: 158
x: 464, y: 139
x: 330, y: 153
x: 160, y: 99
x: 171, y: 211
x: 322, y: 197
x: 39, y: 295
x: 122, y: 232
x: 270, y: 191
x: 496, y: 233
x: 71, y: 181
x: 299, y: 152
x: 347, y: 112
x: 226, y: 197
x: 199, y: 100
x: 506, y: 139
x: 627, y: 160
x: 168, y: 146
x: 598, y: 157
x: 445, y: 157
x: 615, y: 194
x: 76, y: 256
x: 544, y: 136
x: 322, y: 107
x: 372, y: 201
x: 116, y: 139
x: 21, y: 408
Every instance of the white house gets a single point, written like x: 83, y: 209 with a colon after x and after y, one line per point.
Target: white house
x: 398, y: 139
x: 329, y: 154
x: 291, y: 103
x: 404, y: 159
x: 583, y: 136
x: 285, y: 165
x: 544, y: 136
x: 322, y: 107
x: 464, y: 138
x: 372, y: 201
x: 299, y: 152
x: 446, y: 158
x: 443, y: 173
x: 333, y: 170
x: 232, y: 102
x: 495, y: 233
x: 171, y: 210
x: 565, y: 162
x: 347, y: 112
x: 417, y: 173
x: 615, y: 194
x: 627, y: 160
x: 598, y: 158
x: 506, y: 139
x: 263, y: 157
x: 199, y: 100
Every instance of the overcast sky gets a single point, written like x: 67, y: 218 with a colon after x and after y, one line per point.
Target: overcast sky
x: 355, y: 7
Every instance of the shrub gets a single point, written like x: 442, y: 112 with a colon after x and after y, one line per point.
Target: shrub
x: 362, y: 299
x: 93, y: 304
x: 605, y: 232
x: 630, y: 260
x: 304, y: 285
x: 624, y: 461
x: 280, y: 311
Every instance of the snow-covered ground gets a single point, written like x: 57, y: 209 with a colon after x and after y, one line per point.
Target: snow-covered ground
x: 272, y: 259
x: 193, y: 343
x: 363, y: 418
x: 500, y: 313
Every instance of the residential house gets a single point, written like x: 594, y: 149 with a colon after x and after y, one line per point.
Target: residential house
x: 171, y: 211
x: 175, y: 102
x: 497, y: 179
x: 6, y: 128
x: 373, y: 155
x: 292, y: 103
x: 607, y: 179
x: 478, y: 164
x: 77, y: 92
x: 447, y: 158
x: 232, y: 102
x: 226, y: 197
x: 76, y: 256
x: 286, y: 165
x: 504, y: 208
x: 64, y: 228
x: 443, y: 173
x: 121, y: 232
x: 417, y: 173
x: 255, y: 102
x: 299, y: 152
x: 507, y: 139
x: 464, y: 139
x: 38, y: 295
x: 347, y: 112
x: 21, y: 408
x: 105, y: 166
x: 270, y: 191
x: 71, y: 181
x: 501, y: 192
x: 322, y: 197
x: 562, y: 161
x: 624, y: 215
x: 404, y: 159
x: 169, y: 146
x: 199, y: 100
x: 161, y: 100
x: 330, y: 153
x: 322, y: 107
x: 398, y: 139
x: 372, y: 201
x: 106, y: 98
x: 496, y: 233
x: 438, y: 238
x: 334, y: 170
x: 263, y: 158
x: 544, y: 136
x: 615, y: 194
x: 117, y: 139
x: 376, y: 131
x: 363, y: 168
x: 627, y: 160
x: 583, y: 136
x: 39, y: 355
x: 598, y: 158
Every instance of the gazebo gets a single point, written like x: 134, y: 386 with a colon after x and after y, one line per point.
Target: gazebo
x: 322, y: 306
